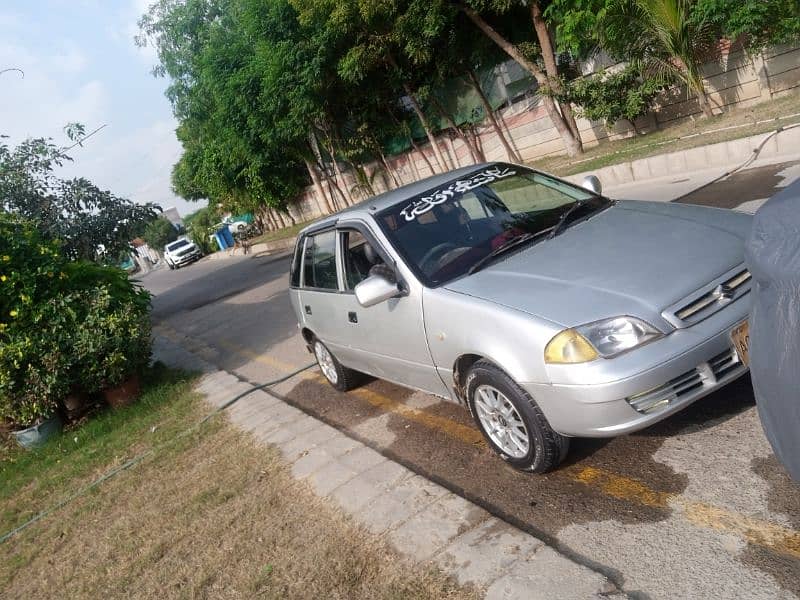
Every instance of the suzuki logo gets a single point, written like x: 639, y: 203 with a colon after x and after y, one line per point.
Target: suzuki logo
x: 723, y: 293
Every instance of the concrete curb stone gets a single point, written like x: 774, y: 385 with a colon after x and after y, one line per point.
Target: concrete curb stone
x: 419, y: 518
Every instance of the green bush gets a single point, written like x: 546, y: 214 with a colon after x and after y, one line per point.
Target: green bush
x: 158, y: 233
x: 113, y: 342
x: 609, y: 97
x: 64, y: 325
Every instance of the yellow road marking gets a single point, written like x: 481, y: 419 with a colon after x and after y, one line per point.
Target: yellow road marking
x: 466, y: 434
x: 762, y: 533
x: 756, y: 531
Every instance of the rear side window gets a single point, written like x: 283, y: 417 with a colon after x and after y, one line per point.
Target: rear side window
x: 297, y: 259
x: 319, y: 262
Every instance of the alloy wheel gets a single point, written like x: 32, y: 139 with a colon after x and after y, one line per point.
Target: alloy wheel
x: 501, y: 421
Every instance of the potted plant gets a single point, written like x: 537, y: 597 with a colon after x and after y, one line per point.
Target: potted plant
x: 34, y: 361
x: 113, y: 345
x: 33, y: 378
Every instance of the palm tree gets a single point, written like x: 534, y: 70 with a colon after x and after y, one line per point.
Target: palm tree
x: 670, y: 42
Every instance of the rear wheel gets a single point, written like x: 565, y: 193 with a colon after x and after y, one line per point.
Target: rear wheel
x: 339, y: 376
x: 512, y: 422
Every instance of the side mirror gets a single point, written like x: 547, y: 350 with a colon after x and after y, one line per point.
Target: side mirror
x: 592, y: 183
x: 374, y: 290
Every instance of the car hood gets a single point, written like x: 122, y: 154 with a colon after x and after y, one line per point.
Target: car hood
x: 635, y: 258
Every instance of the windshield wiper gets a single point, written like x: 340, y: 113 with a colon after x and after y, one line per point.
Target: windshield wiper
x: 562, y: 221
x: 509, y: 245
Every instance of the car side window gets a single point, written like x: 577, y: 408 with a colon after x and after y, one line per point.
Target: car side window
x: 359, y: 257
x: 319, y: 262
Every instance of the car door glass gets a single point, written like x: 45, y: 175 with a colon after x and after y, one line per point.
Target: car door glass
x: 357, y: 259
x: 319, y: 262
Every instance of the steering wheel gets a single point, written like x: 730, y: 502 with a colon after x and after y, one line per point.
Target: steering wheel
x: 437, y: 251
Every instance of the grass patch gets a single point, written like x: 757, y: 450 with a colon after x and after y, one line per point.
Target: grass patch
x: 84, y: 452
x: 280, y: 234
x: 667, y: 140
x: 212, y: 515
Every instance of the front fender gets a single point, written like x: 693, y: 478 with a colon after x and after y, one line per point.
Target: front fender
x: 457, y: 324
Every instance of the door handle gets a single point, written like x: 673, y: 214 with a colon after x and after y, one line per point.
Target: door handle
x: 308, y: 309
x: 352, y: 317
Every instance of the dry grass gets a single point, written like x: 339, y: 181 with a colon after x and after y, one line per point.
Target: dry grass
x: 741, y: 120
x: 279, y: 234
x: 211, y: 516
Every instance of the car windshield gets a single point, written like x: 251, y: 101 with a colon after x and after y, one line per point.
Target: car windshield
x: 466, y: 224
x: 178, y: 244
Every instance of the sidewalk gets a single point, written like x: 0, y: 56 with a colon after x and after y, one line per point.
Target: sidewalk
x: 419, y: 518
x: 686, y: 170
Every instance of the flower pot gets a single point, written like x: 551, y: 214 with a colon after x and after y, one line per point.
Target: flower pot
x: 37, y: 435
x: 124, y: 394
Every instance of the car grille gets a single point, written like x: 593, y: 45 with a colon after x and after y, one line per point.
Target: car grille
x: 718, y: 369
x: 712, y: 298
x: 185, y: 252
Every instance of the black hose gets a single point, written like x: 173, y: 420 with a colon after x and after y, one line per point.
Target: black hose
x: 137, y: 459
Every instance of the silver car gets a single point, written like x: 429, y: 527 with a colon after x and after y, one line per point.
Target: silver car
x: 549, y: 310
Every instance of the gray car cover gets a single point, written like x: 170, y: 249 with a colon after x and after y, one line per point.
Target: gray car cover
x: 773, y: 257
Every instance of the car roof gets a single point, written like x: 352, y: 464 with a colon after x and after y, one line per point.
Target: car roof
x: 373, y: 205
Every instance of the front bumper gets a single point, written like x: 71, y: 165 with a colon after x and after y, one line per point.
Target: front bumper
x: 684, y: 375
x: 179, y: 261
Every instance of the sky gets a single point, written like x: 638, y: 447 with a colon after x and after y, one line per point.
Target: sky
x: 81, y: 65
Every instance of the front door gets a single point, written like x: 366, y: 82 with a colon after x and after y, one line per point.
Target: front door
x: 386, y: 340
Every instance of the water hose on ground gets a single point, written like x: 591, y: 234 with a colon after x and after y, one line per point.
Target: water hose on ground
x: 750, y: 159
x: 140, y: 457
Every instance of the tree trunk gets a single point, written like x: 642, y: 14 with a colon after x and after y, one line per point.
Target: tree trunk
x: 426, y: 126
x: 551, y: 67
x: 572, y: 145
x: 395, y: 177
x: 705, y: 105
x: 424, y: 156
x: 456, y: 129
x: 487, y: 108
x: 335, y: 186
x: 312, y: 172
x: 337, y: 173
x: 476, y: 143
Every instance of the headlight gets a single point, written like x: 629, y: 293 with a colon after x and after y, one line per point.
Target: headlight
x: 606, y: 338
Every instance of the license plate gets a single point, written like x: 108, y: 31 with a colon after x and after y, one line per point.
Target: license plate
x: 740, y: 337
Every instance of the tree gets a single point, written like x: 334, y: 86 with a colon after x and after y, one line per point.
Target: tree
x: 667, y: 38
x: 609, y: 97
x: 200, y: 225
x: 758, y: 23
x: 90, y: 223
x: 159, y: 233
x: 561, y: 119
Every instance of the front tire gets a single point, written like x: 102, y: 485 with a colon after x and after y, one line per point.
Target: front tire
x: 339, y: 376
x: 511, y: 421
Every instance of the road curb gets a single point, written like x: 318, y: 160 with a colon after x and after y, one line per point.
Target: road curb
x: 417, y: 517
x: 719, y: 155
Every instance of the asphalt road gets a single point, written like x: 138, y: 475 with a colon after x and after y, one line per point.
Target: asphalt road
x: 694, y: 507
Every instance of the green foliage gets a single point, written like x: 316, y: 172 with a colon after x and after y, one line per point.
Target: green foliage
x: 577, y: 24
x: 159, y: 233
x: 200, y: 225
x: 63, y: 325
x: 88, y: 222
x: 113, y: 341
x: 665, y: 37
x: 609, y: 97
x: 758, y: 22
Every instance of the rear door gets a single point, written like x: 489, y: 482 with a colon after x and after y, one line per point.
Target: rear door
x: 319, y: 288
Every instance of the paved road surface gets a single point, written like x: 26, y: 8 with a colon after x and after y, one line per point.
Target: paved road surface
x: 694, y: 507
